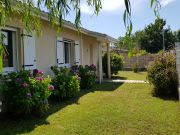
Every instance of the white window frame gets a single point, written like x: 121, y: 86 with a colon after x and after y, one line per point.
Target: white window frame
x: 7, y: 70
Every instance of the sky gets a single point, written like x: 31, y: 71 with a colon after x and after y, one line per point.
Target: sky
x: 110, y: 19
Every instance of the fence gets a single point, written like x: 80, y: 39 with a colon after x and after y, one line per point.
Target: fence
x: 178, y: 63
x: 141, y: 61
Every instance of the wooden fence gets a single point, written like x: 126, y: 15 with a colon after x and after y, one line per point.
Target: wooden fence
x: 141, y: 61
x: 178, y: 63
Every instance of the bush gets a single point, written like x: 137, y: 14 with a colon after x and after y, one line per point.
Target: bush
x: 87, y: 75
x: 66, y: 84
x: 135, y: 68
x: 116, y: 63
x: 163, y: 75
x: 25, y: 93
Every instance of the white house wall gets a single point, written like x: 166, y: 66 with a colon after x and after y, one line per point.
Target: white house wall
x: 46, y: 45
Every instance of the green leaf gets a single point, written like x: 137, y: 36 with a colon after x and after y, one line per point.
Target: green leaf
x: 152, y: 2
x: 127, y: 4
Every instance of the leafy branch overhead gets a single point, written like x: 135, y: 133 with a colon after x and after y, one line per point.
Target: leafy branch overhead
x: 127, y: 14
x: 57, y: 11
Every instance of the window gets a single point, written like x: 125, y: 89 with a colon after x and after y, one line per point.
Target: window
x: 9, y: 54
x: 67, y: 52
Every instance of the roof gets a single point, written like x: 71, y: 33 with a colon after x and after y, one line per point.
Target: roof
x: 68, y: 24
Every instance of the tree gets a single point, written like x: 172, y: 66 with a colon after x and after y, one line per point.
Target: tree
x: 151, y: 38
x: 119, y: 44
x: 177, y: 35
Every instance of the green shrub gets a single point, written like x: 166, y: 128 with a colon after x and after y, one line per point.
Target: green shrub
x: 163, y: 75
x: 116, y: 63
x: 25, y: 93
x: 135, y: 68
x: 66, y: 84
x: 87, y: 75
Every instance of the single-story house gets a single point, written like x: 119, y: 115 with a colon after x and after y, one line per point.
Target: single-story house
x: 28, y: 51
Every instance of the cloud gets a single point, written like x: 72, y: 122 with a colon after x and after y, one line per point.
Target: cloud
x: 165, y: 2
x: 107, y: 6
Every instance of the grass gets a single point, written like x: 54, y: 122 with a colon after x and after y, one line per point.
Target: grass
x: 130, y: 75
x: 108, y: 109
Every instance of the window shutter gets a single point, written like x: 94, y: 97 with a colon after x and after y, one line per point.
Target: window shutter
x: 29, y: 51
x: 60, y: 52
x: 77, y: 53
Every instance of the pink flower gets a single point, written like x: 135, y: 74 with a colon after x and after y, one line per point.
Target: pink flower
x: 40, y: 72
x: 29, y: 95
x: 24, y: 85
x: 51, y: 87
x: 39, y: 78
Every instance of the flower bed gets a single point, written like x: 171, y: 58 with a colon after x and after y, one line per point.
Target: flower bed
x: 66, y: 84
x: 26, y: 92
x: 87, y: 75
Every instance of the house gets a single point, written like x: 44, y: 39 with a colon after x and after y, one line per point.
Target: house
x: 28, y: 51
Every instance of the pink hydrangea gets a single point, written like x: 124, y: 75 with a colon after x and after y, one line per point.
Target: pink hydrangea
x: 39, y: 78
x: 51, y: 87
x: 24, y: 85
x: 40, y: 72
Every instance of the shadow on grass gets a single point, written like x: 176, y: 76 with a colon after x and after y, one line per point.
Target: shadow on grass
x: 15, y: 126
x: 167, y: 98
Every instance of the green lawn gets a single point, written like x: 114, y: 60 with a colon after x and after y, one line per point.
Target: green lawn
x: 108, y: 109
x: 130, y: 75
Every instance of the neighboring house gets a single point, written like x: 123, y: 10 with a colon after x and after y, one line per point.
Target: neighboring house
x: 27, y: 51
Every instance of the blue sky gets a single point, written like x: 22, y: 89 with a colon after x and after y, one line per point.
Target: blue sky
x: 110, y: 19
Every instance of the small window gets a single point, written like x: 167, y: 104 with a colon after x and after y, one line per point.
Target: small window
x: 9, y: 53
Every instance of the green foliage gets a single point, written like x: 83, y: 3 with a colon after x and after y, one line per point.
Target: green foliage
x: 163, y: 75
x: 66, y: 84
x: 152, y: 40
x: 24, y: 93
x: 116, y: 63
x: 177, y: 35
x: 143, y: 52
x: 135, y: 68
x: 87, y: 75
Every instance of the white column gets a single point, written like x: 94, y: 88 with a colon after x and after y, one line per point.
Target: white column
x: 100, y: 63
x: 108, y: 61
